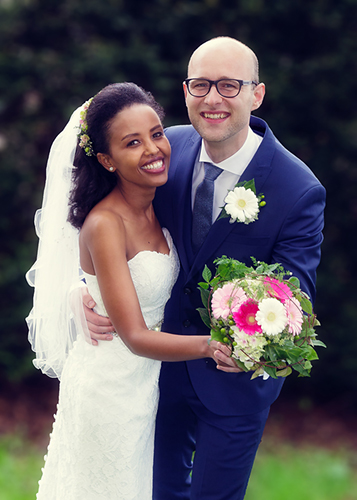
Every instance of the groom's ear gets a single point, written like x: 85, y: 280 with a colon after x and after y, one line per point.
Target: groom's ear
x: 258, y: 96
x: 105, y: 161
x: 184, y: 86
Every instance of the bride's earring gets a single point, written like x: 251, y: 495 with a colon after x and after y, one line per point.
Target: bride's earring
x: 111, y: 169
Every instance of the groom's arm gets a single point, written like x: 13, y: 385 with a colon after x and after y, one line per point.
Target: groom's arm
x: 298, y: 247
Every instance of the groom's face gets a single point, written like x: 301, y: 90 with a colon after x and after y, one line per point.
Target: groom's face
x: 223, y: 122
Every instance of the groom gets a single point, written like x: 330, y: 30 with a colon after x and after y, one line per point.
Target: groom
x: 221, y: 416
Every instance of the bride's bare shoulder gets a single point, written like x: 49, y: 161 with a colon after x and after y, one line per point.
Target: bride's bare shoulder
x: 103, y: 221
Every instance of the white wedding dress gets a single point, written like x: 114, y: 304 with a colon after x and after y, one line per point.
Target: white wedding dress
x: 101, y: 446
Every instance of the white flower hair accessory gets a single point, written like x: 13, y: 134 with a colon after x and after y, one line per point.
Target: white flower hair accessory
x: 84, y: 139
x: 242, y: 204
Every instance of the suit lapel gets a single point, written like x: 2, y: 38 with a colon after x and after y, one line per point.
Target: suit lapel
x: 182, y: 179
x: 260, y: 166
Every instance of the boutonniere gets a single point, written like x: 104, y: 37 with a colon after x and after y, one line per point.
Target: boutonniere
x: 242, y: 204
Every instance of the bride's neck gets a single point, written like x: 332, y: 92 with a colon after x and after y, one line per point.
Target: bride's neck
x: 136, y: 199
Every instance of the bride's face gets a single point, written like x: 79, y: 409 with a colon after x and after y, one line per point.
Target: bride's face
x: 139, y: 149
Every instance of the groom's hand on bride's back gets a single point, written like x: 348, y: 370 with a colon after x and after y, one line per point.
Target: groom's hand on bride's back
x: 99, y: 327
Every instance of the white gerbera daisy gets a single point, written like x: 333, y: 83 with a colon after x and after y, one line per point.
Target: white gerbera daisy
x: 242, y: 205
x: 271, y: 316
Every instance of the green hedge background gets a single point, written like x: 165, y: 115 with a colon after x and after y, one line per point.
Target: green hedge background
x: 55, y: 55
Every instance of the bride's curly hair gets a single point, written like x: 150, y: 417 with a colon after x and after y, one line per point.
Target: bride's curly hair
x: 91, y: 181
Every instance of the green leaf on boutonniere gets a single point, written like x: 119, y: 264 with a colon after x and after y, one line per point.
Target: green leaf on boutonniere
x: 223, y: 214
x: 247, y: 185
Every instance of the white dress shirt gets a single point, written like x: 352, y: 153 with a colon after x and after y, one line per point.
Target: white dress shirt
x: 232, y: 167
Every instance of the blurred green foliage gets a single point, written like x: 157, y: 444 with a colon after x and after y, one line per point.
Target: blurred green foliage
x: 20, y: 468
x: 309, y: 473
x: 55, y: 55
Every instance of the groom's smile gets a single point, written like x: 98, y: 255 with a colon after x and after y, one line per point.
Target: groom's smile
x: 215, y: 116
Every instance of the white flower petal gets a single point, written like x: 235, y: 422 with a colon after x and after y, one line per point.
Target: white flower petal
x: 242, y: 204
x: 271, y: 316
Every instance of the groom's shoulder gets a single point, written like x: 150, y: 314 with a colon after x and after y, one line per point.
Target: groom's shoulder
x: 281, y: 159
x: 181, y: 133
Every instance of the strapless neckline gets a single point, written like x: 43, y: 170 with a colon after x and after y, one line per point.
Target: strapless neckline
x: 168, y: 255
x: 150, y: 251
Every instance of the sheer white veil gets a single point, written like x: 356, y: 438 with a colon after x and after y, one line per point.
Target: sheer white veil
x: 57, y: 318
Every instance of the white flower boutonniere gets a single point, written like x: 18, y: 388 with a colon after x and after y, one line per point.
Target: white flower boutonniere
x: 242, y: 204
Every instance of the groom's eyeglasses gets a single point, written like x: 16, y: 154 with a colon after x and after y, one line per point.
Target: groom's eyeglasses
x: 200, y: 87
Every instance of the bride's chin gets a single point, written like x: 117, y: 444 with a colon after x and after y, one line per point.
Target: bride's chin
x: 160, y: 179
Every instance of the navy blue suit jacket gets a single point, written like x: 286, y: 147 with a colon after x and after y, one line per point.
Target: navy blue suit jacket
x: 288, y: 230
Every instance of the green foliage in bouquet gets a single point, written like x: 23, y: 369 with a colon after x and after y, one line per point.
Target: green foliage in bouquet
x: 261, y: 312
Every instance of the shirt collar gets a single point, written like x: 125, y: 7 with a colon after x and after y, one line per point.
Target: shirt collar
x: 236, y: 163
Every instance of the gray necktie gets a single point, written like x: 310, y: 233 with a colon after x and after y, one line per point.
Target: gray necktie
x: 203, y: 206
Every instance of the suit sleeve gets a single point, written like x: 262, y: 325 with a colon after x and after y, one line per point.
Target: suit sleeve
x: 298, y: 245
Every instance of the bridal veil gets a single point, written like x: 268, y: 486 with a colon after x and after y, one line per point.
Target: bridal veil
x: 57, y: 316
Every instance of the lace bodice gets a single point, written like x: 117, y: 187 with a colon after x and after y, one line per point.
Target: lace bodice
x: 154, y: 275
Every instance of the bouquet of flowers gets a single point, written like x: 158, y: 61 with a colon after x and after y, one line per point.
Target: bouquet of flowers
x: 263, y: 314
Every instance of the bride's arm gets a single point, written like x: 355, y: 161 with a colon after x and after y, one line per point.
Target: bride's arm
x: 104, y: 239
x: 100, y: 326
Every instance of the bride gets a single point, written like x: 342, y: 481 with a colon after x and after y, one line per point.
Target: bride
x: 104, y: 181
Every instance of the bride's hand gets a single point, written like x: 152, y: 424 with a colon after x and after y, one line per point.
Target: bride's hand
x: 99, y: 326
x: 222, y: 356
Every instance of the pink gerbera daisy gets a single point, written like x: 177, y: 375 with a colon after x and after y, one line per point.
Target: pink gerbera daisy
x: 294, y: 315
x: 225, y: 299
x: 277, y: 289
x: 245, y: 317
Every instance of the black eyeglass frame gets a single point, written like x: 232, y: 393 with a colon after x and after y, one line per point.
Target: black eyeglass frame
x: 215, y: 83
